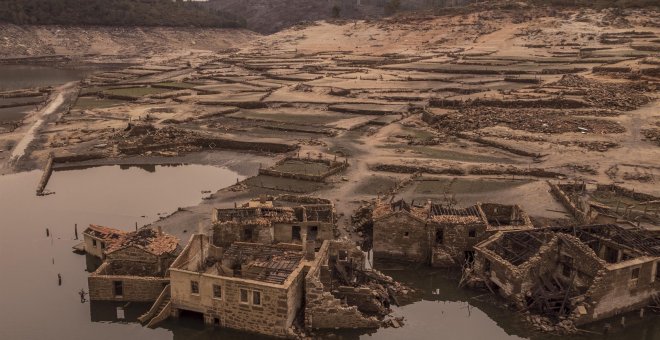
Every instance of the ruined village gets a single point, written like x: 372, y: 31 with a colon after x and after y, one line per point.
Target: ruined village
x: 498, y: 157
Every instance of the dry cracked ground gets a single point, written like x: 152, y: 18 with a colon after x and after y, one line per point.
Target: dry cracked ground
x: 485, y: 106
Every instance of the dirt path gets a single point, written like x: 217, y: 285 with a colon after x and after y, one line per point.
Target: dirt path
x: 59, y: 95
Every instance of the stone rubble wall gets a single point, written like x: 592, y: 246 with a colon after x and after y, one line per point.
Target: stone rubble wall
x: 615, y: 292
x: 390, y: 239
x: 322, y: 309
x: 135, y: 288
x: 561, y: 196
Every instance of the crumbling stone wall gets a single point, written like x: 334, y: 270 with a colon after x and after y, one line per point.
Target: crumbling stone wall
x: 457, y: 241
x: 401, y: 236
x: 283, y: 232
x: 206, y: 143
x: 131, y: 256
x: 135, y: 288
x: 228, y: 232
x: 616, y: 291
x: 322, y: 309
x: 580, y: 215
x: 502, y: 273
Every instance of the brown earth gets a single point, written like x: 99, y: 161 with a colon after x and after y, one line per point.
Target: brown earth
x: 390, y: 96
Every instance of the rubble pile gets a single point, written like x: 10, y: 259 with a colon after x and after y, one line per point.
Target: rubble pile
x: 135, y: 139
x: 531, y: 120
x: 546, y: 325
x: 628, y: 96
x: 600, y: 146
x: 652, y: 135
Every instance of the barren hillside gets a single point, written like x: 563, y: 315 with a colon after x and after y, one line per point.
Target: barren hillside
x: 268, y: 16
x: 26, y: 41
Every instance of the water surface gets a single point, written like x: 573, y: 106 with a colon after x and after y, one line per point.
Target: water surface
x: 14, y: 77
x: 35, y: 307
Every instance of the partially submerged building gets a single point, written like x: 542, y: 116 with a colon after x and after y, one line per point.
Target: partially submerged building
x: 97, y: 238
x: 275, y: 289
x: 439, y: 235
x: 135, y: 266
x: 582, y: 274
x: 274, y: 220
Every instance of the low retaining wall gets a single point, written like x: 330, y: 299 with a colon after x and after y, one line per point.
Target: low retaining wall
x: 621, y: 191
x: 212, y: 143
x: 335, y: 167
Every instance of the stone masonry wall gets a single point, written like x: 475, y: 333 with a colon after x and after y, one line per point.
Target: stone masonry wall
x: 618, y: 292
x: 273, y: 317
x: 457, y: 241
x: 579, y: 215
x: 132, y: 254
x: 322, y: 309
x: 138, y: 289
x: 401, y: 236
x: 229, y: 232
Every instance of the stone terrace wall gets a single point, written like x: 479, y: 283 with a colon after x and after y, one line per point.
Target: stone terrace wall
x: 626, y: 192
x: 334, y: 167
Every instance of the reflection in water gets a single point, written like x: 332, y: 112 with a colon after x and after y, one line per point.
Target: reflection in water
x: 111, y: 196
x: 103, y: 195
x: 16, y: 77
x: 92, y: 263
x: 146, y: 167
x: 107, y: 311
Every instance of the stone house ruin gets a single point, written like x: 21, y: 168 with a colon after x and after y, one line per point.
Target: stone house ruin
x: 439, y: 235
x: 135, y: 267
x: 341, y: 293
x: 246, y: 286
x: 263, y: 222
x: 605, y: 203
x: 97, y: 238
x: 580, y: 274
x: 275, y: 289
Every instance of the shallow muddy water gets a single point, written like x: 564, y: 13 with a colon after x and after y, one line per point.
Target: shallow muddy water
x: 14, y: 77
x: 35, y: 307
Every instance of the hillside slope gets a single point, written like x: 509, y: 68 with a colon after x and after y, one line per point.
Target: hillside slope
x: 26, y: 41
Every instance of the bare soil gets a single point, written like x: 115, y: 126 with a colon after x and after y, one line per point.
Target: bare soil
x: 499, y: 101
